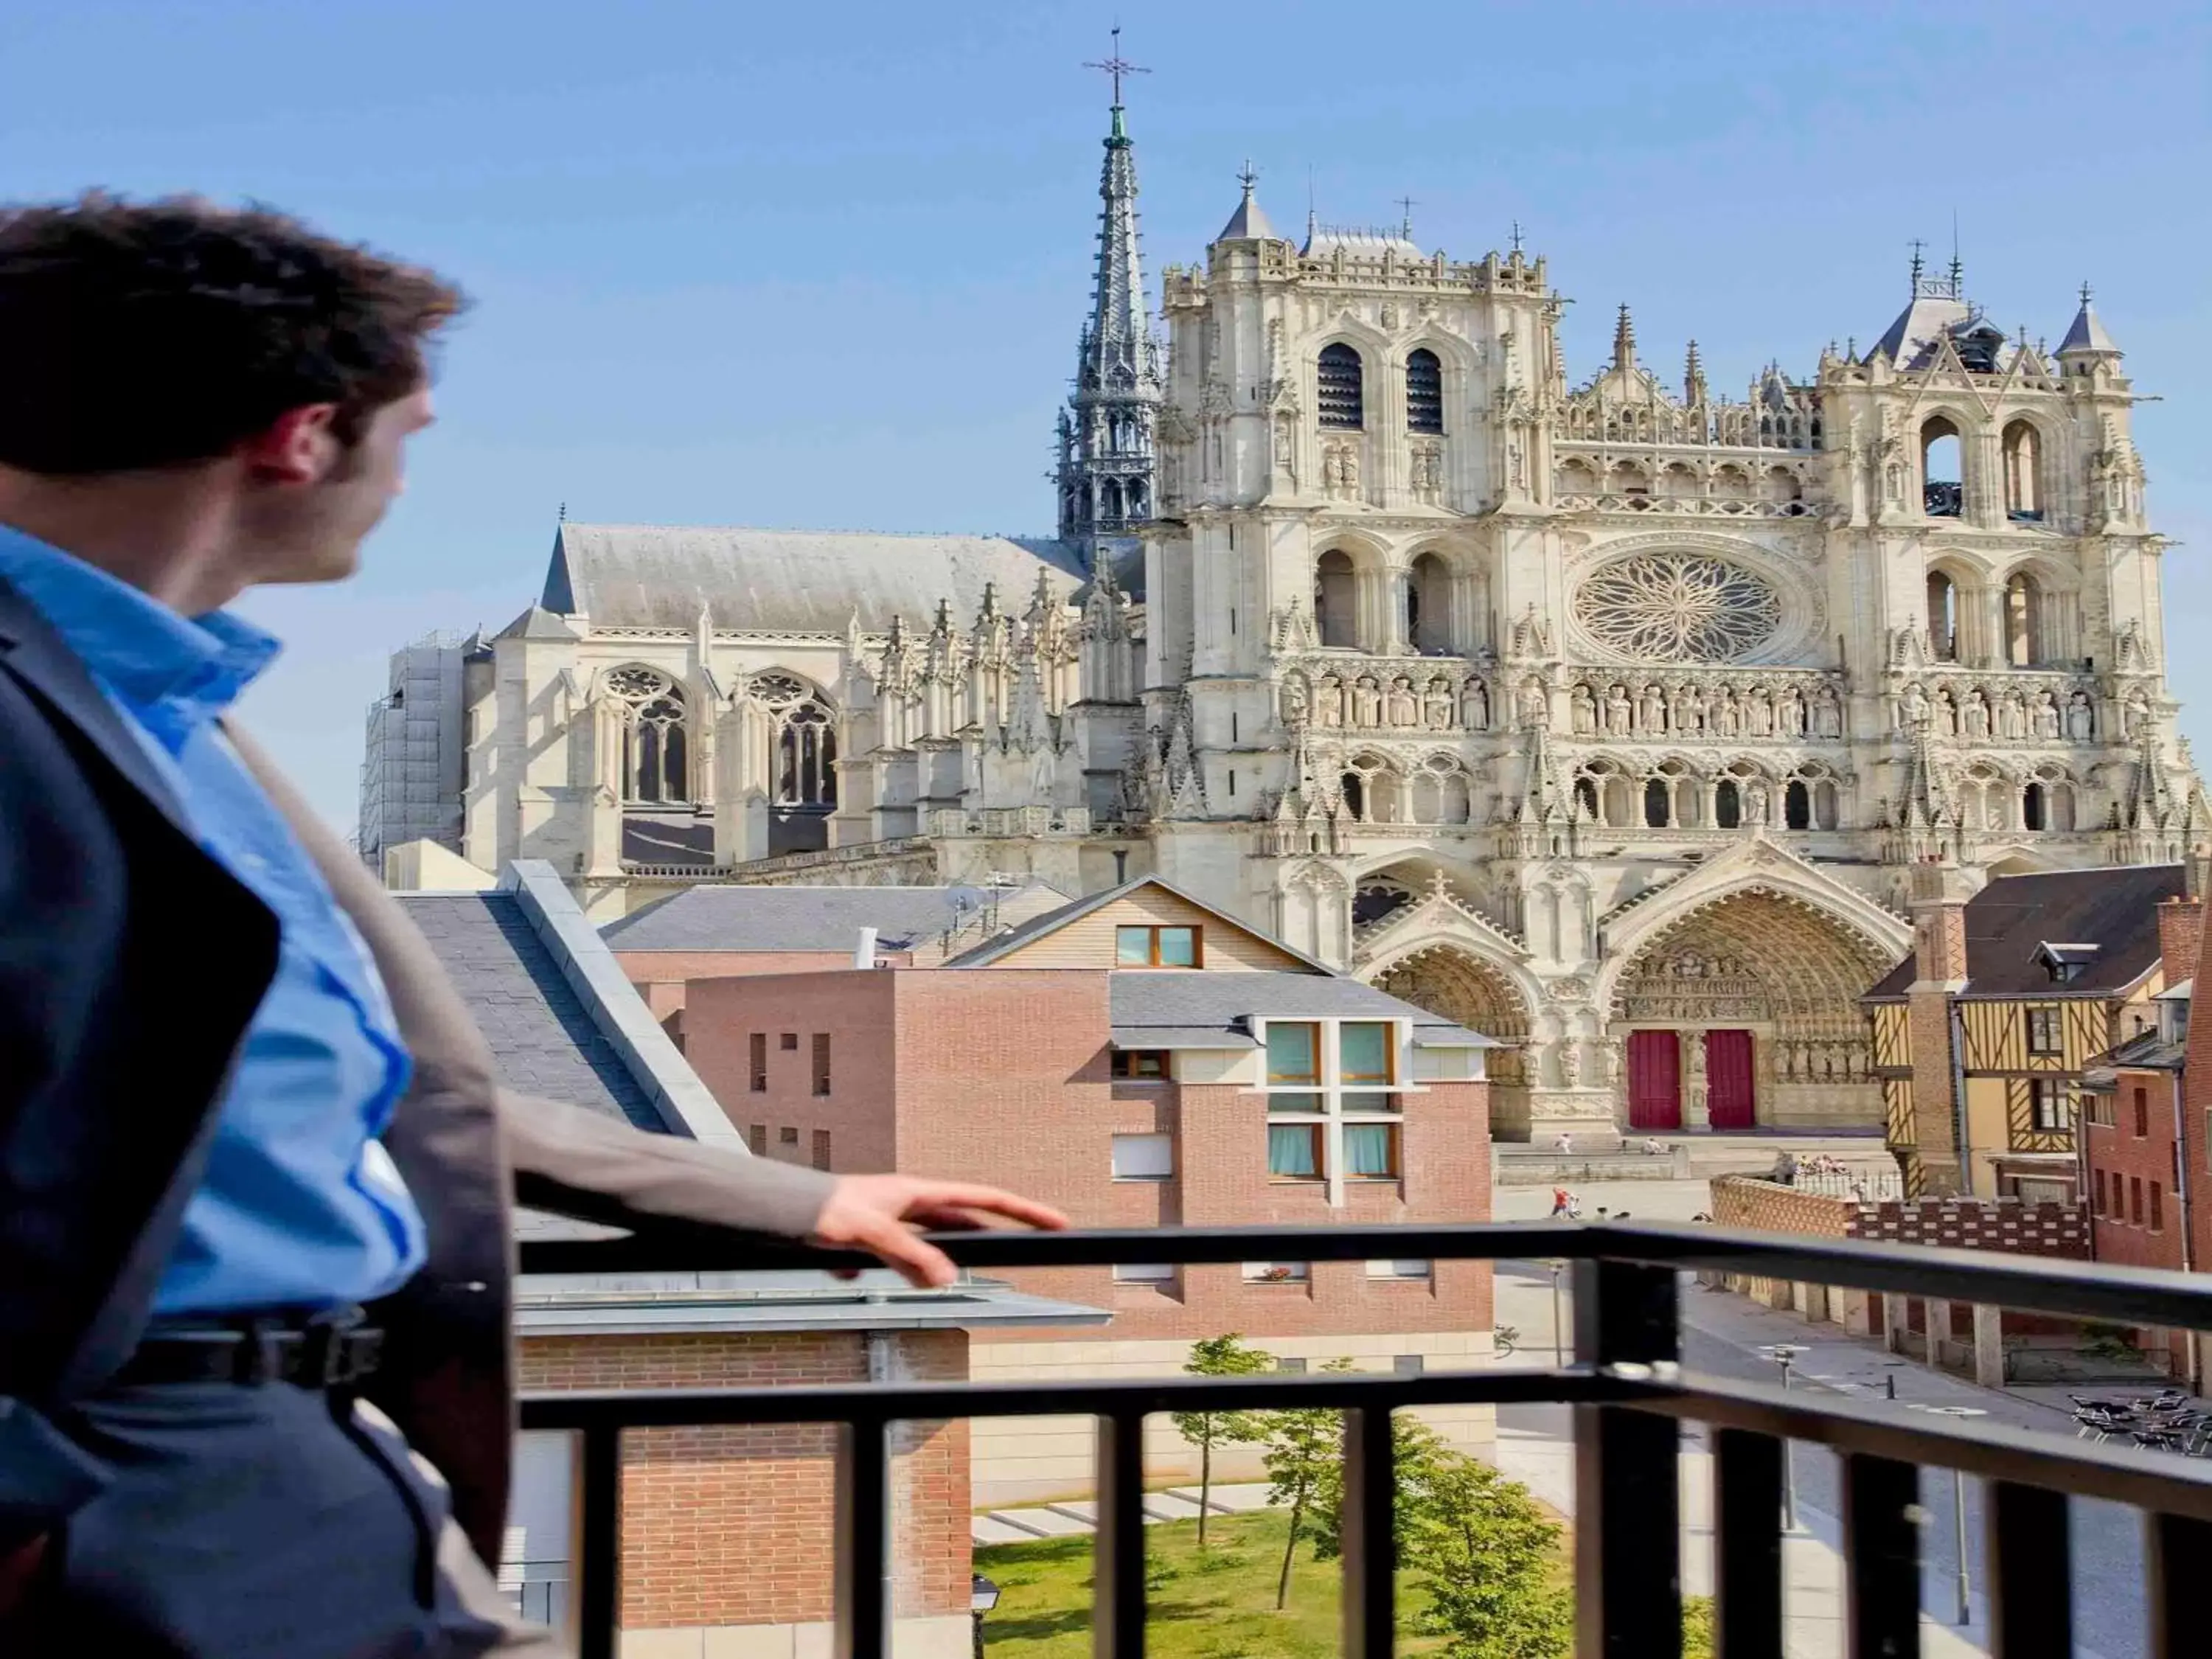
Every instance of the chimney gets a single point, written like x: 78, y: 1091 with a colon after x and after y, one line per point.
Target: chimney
x: 1939, y: 894
x: 2180, y: 936
x: 864, y: 952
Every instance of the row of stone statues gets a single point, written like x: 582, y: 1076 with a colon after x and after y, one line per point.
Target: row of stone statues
x: 1695, y: 709
x: 2009, y: 713
x: 1364, y: 703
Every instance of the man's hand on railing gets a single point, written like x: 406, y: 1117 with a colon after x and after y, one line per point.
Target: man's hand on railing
x: 879, y: 1213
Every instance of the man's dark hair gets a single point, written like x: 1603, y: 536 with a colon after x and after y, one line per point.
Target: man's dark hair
x: 152, y: 334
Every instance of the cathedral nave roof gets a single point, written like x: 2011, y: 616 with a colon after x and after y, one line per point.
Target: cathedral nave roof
x: 789, y: 581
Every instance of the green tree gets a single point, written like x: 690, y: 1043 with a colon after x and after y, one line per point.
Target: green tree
x: 1416, y: 1451
x: 1226, y: 1355
x: 1304, y: 1456
x: 1485, y: 1552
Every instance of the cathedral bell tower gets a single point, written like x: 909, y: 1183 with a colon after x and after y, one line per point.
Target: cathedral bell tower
x: 1104, y: 472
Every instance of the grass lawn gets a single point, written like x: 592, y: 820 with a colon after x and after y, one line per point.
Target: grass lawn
x: 1217, y: 1604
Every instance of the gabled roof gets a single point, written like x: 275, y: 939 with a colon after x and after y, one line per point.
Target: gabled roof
x: 542, y: 1036
x: 780, y: 581
x: 2017, y: 923
x: 744, y: 919
x: 992, y: 950
x: 1153, y: 1010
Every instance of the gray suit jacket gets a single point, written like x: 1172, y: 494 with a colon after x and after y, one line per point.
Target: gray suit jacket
x: 463, y: 1141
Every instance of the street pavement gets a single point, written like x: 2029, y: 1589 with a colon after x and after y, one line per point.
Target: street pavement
x: 1722, y: 1337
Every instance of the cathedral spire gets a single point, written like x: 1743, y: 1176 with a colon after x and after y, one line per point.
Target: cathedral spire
x: 1694, y: 391
x: 1105, y: 470
x: 1623, y: 340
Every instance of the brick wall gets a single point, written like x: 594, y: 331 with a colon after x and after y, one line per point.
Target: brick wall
x: 1004, y: 1075
x: 856, y: 1010
x: 732, y: 1526
x: 661, y: 975
x: 2138, y: 1218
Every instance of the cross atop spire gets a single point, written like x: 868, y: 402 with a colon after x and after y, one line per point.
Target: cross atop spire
x: 1117, y: 66
x: 2085, y: 291
x: 1919, y: 247
x: 1517, y: 235
x: 1406, y: 217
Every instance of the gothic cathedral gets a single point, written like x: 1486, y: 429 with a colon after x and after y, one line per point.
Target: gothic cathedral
x: 1607, y: 718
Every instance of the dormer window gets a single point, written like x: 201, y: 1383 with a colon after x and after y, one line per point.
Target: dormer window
x: 2065, y: 963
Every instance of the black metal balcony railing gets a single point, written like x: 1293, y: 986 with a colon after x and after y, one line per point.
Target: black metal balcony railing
x: 1631, y: 1395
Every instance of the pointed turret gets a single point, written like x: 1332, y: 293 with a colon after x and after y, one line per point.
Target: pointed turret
x: 1248, y: 222
x: 1104, y: 476
x: 1623, y: 340
x: 2086, y: 336
x: 1694, y: 391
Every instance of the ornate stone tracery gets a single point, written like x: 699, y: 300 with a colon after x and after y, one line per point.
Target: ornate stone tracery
x: 1677, y: 608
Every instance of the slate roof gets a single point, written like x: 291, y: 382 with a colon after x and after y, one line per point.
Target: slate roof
x: 2086, y: 332
x: 793, y: 918
x: 1191, y: 1008
x: 2009, y: 921
x: 798, y: 581
x: 668, y: 838
x: 542, y: 1038
x: 992, y: 950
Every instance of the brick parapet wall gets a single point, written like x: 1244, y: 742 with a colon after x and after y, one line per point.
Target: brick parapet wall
x: 725, y: 1526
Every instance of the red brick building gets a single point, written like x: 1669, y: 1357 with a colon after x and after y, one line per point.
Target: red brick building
x: 722, y: 932
x: 1139, y: 1060
x: 2145, y: 1187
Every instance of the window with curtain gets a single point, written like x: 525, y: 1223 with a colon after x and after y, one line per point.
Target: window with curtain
x: 1144, y: 1157
x: 1293, y: 1052
x: 1370, y: 1151
x: 1294, y: 1151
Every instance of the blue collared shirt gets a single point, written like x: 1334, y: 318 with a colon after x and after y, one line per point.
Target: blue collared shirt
x: 300, y: 1206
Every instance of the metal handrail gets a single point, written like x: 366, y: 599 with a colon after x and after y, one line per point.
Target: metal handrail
x: 1626, y: 1384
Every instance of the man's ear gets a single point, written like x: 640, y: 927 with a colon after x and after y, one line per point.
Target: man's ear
x: 298, y: 448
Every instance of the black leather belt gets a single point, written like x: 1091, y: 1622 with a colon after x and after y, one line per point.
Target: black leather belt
x: 312, y: 1353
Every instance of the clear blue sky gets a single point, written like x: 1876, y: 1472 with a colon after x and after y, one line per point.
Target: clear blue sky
x: 823, y: 265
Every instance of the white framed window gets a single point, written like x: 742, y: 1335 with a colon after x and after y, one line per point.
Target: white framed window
x: 1334, y: 1110
x: 1399, y: 1269
x: 1144, y: 1157
x: 1144, y: 1273
x: 1277, y: 1272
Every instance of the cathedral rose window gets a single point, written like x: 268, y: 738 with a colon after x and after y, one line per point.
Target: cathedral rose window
x: 1677, y: 607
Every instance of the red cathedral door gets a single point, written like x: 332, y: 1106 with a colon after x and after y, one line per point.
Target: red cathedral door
x: 1727, y: 1078
x: 1655, y: 1080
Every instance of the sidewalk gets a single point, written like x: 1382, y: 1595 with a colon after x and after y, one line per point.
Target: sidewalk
x: 1079, y: 1517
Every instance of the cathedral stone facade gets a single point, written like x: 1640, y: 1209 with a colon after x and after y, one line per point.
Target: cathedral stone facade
x: 1607, y: 717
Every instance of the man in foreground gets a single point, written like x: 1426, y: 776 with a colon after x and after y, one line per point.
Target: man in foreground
x: 255, y: 1162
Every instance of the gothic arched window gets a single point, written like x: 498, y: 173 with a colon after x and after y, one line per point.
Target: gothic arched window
x: 1424, y: 392
x: 1797, y: 805
x: 1727, y: 804
x: 805, y: 743
x: 2023, y: 480
x: 2033, y: 815
x: 656, y: 754
x: 2023, y: 613
x: 1943, y: 616
x: 1336, y: 599
x: 1341, y: 398
x: 1943, y: 489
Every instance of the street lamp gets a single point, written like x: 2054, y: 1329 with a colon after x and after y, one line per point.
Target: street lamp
x: 1964, y: 1585
x: 1784, y: 1355
x: 982, y: 1596
x: 1558, y: 1328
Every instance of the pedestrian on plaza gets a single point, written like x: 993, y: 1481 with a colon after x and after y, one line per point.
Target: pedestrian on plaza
x: 1575, y: 1206
x: 1565, y: 1143
x: 1558, y: 1202
x: 254, y: 1154
x: 1785, y: 1173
